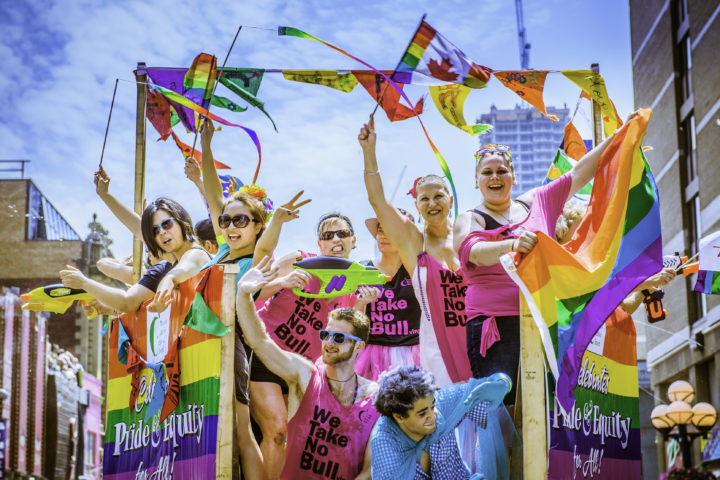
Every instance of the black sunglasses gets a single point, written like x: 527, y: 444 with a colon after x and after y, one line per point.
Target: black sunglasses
x: 165, y: 225
x: 338, y: 337
x: 328, y: 235
x: 240, y: 221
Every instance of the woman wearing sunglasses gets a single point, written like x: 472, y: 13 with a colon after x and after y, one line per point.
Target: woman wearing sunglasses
x: 499, y: 225
x: 431, y: 260
x: 167, y: 231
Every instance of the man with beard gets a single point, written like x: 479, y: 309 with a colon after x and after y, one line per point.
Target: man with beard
x: 330, y: 412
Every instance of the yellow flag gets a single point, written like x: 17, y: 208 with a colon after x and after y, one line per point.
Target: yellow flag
x: 449, y: 100
x: 344, y: 82
x: 594, y: 85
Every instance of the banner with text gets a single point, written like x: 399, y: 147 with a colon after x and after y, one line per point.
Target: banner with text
x: 600, y: 437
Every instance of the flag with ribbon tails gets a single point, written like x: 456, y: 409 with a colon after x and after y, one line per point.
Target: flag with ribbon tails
x: 449, y: 100
x: 528, y: 85
x: 431, y: 57
x: 294, y: 32
x: 245, y: 83
x: 200, y: 79
x: 388, y: 98
x: 708, y: 280
x: 571, y: 289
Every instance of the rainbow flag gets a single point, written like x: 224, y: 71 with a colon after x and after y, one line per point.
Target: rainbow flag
x: 571, y: 289
x: 163, y: 387
x: 708, y: 280
x: 432, y: 55
x: 562, y: 164
x: 200, y: 79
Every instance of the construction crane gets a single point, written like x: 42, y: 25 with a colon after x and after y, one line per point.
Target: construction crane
x: 522, y: 38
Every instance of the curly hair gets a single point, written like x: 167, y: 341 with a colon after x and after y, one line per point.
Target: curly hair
x: 400, y: 387
x: 572, y: 213
x: 173, y: 209
x: 359, y: 321
x: 257, y: 209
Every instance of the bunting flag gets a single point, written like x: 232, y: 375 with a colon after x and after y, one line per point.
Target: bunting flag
x: 196, y: 154
x: 200, y: 317
x: 176, y: 97
x: 449, y: 100
x: 158, y: 111
x: 573, y: 144
x: 245, y: 83
x: 200, y: 79
x: 172, y: 79
x: 294, y: 32
x: 572, y: 289
x: 172, y: 422
x: 708, y: 280
x: 528, y: 85
x: 432, y: 55
x: 345, y: 82
x: 560, y: 166
x: 389, y: 98
x: 592, y: 83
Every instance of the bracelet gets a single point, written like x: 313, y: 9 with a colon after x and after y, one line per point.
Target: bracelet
x: 370, y: 173
x: 512, y: 245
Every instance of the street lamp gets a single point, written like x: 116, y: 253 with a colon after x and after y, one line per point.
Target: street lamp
x: 673, y: 420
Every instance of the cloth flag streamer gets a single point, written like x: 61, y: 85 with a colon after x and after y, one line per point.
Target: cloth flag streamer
x: 389, y: 99
x: 572, y: 289
x: 159, y: 112
x: 708, y: 280
x: 573, y: 144
x: 200, y: 79
x: 561, y: 165
x: 345, y: 82
x: 450, y: 100
x: 594, y: 85
x: 528, y: 85
x: 196, y: 154
x: 294, y: 32
x: 245, y: 83
x: 432, y: 55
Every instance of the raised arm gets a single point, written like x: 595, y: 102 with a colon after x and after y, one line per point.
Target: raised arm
x: 120, y: 300
x: 400, y: 230
x: 292, y: 368
x: 211, y: 182
x: 660, y: 279
x: 126, y: 216
x: 192, y: 172
x: 286, y: 212
x: 584, y: 170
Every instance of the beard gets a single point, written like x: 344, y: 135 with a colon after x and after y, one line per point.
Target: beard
x: 338, y: 357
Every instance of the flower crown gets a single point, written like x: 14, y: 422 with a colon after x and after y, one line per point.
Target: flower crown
x: 258, y: 192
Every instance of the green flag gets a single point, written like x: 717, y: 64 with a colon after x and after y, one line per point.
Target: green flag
x: 204, y: 320
x: 245, y: 83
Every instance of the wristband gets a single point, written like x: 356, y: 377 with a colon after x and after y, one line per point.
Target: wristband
x: 366, y: 172
x: 512, y: 245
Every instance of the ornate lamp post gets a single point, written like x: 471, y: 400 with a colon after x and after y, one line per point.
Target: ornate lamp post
x: 681, y: 421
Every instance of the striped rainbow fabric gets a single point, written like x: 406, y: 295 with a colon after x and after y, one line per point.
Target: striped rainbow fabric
x: 571, y: 289
x: 183, y: 445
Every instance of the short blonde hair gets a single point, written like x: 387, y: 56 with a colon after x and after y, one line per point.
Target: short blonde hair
x: 572, y: 213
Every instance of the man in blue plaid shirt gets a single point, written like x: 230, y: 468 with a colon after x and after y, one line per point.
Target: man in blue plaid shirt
x: 415, y: 437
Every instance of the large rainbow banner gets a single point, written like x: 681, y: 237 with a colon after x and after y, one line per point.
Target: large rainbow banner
x: 163, y: 389
x: 599, y: 438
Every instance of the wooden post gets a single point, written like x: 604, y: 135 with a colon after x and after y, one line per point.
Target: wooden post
x: 226, y: 460
x: 141, y: 78
x: 532, y: 386
x: 597, y: 115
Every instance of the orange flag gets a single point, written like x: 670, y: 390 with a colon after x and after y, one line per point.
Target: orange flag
x: 389, y: 98
x: 573, y: 143
x: 197, y: 154
x: 528, y: 84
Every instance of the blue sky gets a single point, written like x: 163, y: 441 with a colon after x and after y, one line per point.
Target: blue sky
x: 61, y: 60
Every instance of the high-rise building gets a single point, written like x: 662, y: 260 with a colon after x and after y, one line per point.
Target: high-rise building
x: 674, y: 47
x: 532, y: 137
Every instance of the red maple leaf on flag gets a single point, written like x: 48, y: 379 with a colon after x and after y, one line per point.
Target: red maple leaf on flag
x: 442, y: 71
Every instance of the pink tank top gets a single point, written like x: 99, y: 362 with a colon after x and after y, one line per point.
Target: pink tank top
x: 325, y: 439
x: 293, y: 322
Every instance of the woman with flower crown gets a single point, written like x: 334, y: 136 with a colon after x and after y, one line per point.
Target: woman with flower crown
x: 500, y: 225
x: 241, y: 220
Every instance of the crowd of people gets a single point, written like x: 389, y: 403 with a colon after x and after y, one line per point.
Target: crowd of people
x: 383, y: 376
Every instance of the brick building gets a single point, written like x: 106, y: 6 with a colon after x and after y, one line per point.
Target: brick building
x: 674, y: 45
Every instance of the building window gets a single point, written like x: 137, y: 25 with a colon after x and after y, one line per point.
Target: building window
x: 43, y: 221
x: 90, y: 440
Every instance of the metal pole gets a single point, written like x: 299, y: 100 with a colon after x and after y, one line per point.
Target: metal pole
x: 685, y: 445
x: 597, y: 116
x: 141, y: 78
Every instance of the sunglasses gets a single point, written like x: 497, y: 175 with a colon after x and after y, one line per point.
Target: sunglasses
x: 165, y: 225
x: 337, y: 337
x: 328, y: 235
x: 240, y: 221
x: 492, y: 148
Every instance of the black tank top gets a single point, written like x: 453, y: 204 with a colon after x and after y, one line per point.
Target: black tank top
x: 395, y: 314
x: 490, y: 222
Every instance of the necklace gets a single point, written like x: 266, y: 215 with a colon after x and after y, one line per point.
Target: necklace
x: 354, y: 375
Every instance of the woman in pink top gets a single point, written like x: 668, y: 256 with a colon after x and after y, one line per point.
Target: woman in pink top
x: 500, y: 225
